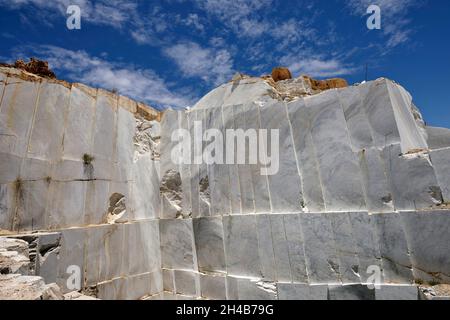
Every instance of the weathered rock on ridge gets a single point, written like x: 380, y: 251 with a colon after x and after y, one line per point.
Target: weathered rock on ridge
x: 34, y: 66
x: 362, y: 183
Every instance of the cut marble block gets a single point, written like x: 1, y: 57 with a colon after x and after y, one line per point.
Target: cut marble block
x: 299, y: 291
x: 241, y: 246
x: 397, y: 292
x: 8, y: 196
x: 429, y: 243
x: 17, y: 112
x: 260, y: 182
x: 295, y: 243
x: 102, y: 263
x: 156, y: 282
x: 339, y: 169
x: 350, y: 292
x: 71, y: 269
x: 209, y: 244
x: 78, y: 136
x: 441, y: 165
x: 306, y: 156
x: 356, y: 118
x: 213, y: 286
x: 280, y: 248
x: 112, y: 265
x: 124, y: 145
x: 142, y: 246
x: 320, y: 250
x: 345, y: 247
x: 376, y: 187
x: 236, y: 92
x: 9, y: 167
x: 177, y: 239
x: 31, y: 205
x: 185, y: 172
x: 97, y: 202
x: 412, y: 178
x: 250, y: 289
x: 170, y: 207
x: 105, y: 126
x: 365, y: 235
x: 204, y: 184
x: 218, y: 177
x: 380, y: 113
x: 187, y: 283
x: 396, y: 261
x: 49, y: 246
x: 410, y: 135
x: 49, y: 121
x: 266, y: 252
x: 35, y: 169
x: 233, y: 170
x: 145, y: 189
x: 243, y: 170
x: 438, y: 138
x: 284, y: 185
x: 138, y: 286
x: 196, y: 146
x: 66, y: 204
x: 168, y: 280
x: 114, y: 289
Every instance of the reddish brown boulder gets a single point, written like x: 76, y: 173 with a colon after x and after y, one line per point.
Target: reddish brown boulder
x: 280, y: 73
x: 35, y: 66
x: 322, y: 85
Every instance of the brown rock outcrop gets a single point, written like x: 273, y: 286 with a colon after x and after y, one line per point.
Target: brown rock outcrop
x: 322, y: 85
x: 280, y: 74
x: 35, y: 66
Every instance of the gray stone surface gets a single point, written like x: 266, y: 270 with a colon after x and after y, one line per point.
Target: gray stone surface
x: 285, y: 185
x: 299, y: 291
x: 209, y: 244
x: 338, y: 165
x: 397, y: 292
x: 320, y: 250
x: 213, y: 287
x: 441, y: 165
x: 177, y: 244
x: 350, y: 292
x: 241, y: 246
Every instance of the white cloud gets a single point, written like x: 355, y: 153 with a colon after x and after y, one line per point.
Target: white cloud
x: 193, y: 20
x: 241, y: 16
x: 113, y: 13
x: 140, y: 84
x: 317, y: 67
x: 209, y: 64
x: 395, y: 24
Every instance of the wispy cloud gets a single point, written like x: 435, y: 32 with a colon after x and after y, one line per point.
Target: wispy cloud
x: 140, y: 84
x: 244, y: 17
x: 394, y: 16
x: 317, y: 67
x: 102, y: 12
x: 209, y: 64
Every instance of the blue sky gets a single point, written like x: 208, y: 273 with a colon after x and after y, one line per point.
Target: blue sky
x: 172, y: 52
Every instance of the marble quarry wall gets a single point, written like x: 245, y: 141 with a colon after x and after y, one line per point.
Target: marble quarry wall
x: 358, y: 188
x: 88, y: 179
x: 73, y: 164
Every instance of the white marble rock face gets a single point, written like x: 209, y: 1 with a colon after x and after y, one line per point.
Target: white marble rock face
x: 362, y: 185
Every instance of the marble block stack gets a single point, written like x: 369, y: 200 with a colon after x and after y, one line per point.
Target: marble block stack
x: 362, y: 185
